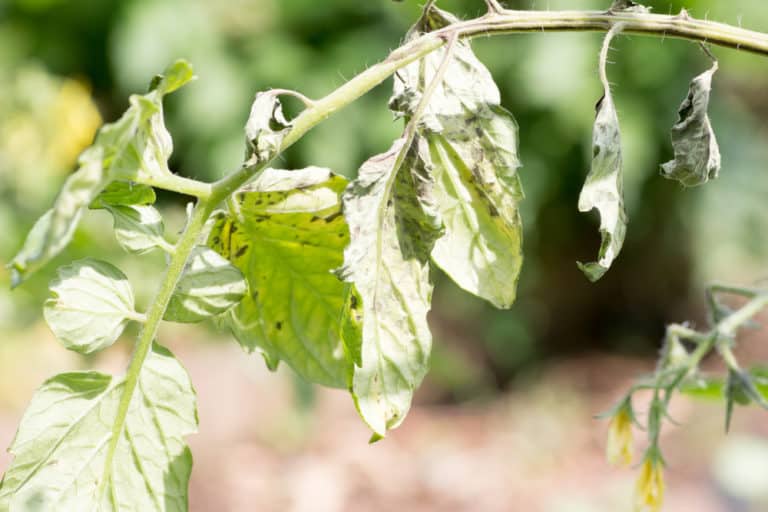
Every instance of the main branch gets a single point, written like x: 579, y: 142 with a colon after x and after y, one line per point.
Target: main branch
x: 681, y: 26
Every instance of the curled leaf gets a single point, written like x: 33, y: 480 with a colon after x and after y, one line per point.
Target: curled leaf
x: 603, y: 187
x: 265, y: 129
x: 286, y: 234
x: 393, y: 225
x: 209, y: 286
x: 91, y: 304
x: 697, y: 155
x: 628, y: 6
x: 137, y: 144
x: 472, y: 154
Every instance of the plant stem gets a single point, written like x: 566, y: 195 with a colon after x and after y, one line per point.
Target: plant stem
x: 681, y: 26
x: 148, y: 333
x: 175, y: 183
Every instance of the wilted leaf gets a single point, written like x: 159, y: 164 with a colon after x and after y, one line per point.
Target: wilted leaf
x: 603, y: 188
x: 393, y: 224
x: 60, y: 449
x: 137, y: 144
x: 628, y: 6
x: 697, y: 155
x: 92, y: 301
x: 265, y: 129
x: 472, y: 155
x: 286, y: 236
x: 209, y: 286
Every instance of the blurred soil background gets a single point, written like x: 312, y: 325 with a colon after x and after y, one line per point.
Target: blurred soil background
x: 505, y: 420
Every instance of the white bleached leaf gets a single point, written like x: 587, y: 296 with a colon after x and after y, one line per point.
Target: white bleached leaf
x: 393, y: 224
x: 472, y: 154
x: 603, y: 188
x: 91, y: 304
x: 60, y: 450
x: 209, y: 286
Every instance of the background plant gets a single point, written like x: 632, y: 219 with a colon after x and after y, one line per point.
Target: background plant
x: 129, y: 205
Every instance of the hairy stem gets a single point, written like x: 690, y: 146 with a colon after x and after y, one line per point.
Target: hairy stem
x: 499, y: 22
x: 148, y: 333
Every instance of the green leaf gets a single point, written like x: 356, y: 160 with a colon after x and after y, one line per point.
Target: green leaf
x: 705, y: 388
x: 603, y: 187
x: 286, y: 234
x: 136, y: 145
x: 91, y: 304
x: 138, y: 229
x: 265, y: 129
x: 124, y: 193
x: 697, y: 155
x: 393, y: 224
x: 209, y: 286
x: 472, y: 155
x: 60, y: 459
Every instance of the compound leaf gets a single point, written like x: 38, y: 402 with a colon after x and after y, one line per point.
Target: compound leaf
x: 472, y: 155
x: 137, y: 144
x: 209, y: 286
x: 697, y: 155
x: 286, y: 234
x: 603, y: 187
x: 393, y: 225
x: 91, y: 304
x: 60, y: 450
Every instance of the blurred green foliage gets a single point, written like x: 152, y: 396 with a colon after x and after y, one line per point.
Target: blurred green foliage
x: 677, y: 239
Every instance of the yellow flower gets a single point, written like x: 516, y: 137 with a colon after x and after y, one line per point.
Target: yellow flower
x: 619, y: 446
x: 74, y: 120
x: 649, y: 490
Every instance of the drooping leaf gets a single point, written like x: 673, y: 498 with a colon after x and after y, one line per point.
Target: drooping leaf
x: 472, y: 155
x: 124, y: 193
x: 91, y: 304
x: 60, y: 449
x: 603, y: 188
x: 286, y: 236
x: 53, y: 231
x: 209, y: 286
x: 393, y: 224
x: 137, y: 144
x: 697, y: 155
x: 265, y: 129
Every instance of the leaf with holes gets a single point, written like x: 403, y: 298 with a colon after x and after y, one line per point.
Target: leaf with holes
x: 286, y: 235
x: 61, y: 459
